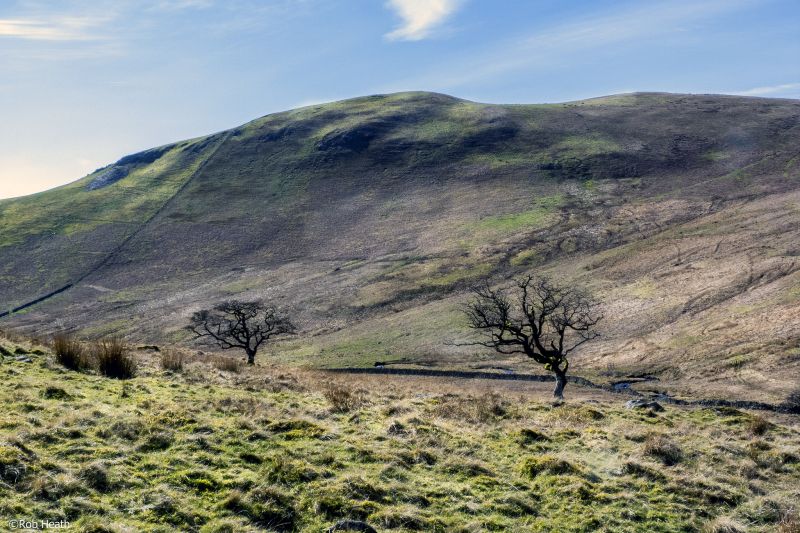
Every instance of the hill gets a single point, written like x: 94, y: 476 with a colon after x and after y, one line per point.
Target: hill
x: 200, y: 449
x: 369, y: 218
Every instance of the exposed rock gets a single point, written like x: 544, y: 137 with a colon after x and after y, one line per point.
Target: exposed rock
x: 108, y: 176
x: 641, y: 403
x: 119, y: 170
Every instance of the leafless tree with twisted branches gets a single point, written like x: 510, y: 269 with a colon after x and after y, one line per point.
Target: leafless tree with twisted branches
x: 242, y: 325
x: 538, y: 318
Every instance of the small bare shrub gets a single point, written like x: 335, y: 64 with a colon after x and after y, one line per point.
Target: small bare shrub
x: 227, y: 364
x: 663, y: 448
x: 172, y: 360
x: 114, y: 360
x: 343, y: 399
x: 70, y: 353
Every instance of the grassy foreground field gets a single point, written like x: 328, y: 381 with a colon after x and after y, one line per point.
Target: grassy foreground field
x: 202, y: 449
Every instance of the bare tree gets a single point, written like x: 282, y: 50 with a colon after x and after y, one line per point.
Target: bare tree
x: 540, y: 319
x: 243, y: 325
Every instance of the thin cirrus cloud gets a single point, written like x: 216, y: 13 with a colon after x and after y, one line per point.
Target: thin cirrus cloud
x: 561, y: 42
x: 782, y: 89
x: 420, y: 17
x: 85, y: 26
x: 178, y: 5
x: 56, y: 29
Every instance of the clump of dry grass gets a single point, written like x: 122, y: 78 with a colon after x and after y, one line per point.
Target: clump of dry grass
x: 724, y: 524
x: 70, y: 353
x: 95, y: 475
x: 758, y: 425
x: 342, y: 398
x: 572, y: 415
x: 790, y: 522
x: 663, y: 448
x: 533, y: 466
x: 227, y: 364
x: 54, y: 487
x: 114, y: 360
x: 484, y: 408
x: 172, y: 360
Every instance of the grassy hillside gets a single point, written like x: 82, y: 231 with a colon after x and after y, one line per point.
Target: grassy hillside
x: 369, y: 218
x: 283, y: 450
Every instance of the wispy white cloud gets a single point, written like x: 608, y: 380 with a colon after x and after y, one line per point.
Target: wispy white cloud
x: 558, y: 44
x: 178, y: 5
x: 782, y: 89
x: 53, y: 29
x: 420, y: 17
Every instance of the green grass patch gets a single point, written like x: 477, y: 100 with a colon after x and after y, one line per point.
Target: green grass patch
x: 542, y: 214
x: 189, y: 452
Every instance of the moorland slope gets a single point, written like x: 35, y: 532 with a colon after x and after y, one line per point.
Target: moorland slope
x: 369, y: 218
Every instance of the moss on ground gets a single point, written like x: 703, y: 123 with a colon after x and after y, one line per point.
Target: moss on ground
x: 543, y: 213
x: 264, y: 450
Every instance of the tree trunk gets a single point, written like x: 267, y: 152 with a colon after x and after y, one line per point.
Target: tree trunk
x: 561, y: 382
x: 251, y: 357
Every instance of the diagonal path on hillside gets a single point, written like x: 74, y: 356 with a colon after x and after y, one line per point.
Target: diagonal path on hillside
x: 121, y: 246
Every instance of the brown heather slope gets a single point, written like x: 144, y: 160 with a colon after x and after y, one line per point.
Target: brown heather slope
x: 369, y: 218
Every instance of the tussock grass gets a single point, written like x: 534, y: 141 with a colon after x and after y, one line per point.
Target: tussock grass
x: 483, y: 408
x: 725, y: 524
x: 227, y: 364
x: 202, y: 450
x: 172, y: 360
x: 758, y: 426
x: 790, y: 521
x: 343, y: 398
x: 114, y: 360
x: 663, y: 448
x: 70, y: 353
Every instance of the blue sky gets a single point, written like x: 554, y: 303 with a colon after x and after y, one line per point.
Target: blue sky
x: 83, y: 82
